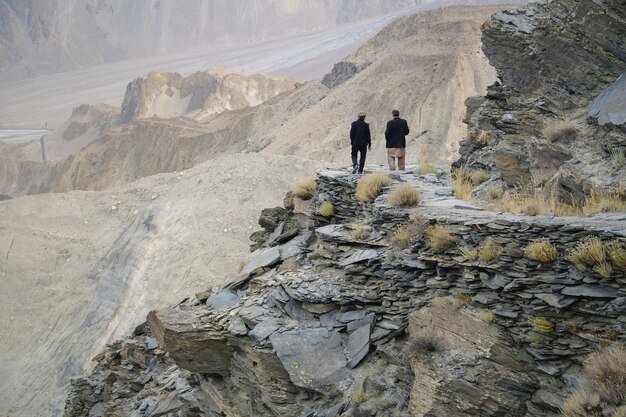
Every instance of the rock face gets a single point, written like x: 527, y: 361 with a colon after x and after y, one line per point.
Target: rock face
x: 319, y: 328
x: 168, y: 95
x: 553, y: 59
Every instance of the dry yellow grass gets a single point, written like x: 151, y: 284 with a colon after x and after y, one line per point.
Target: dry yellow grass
x: 424, y: 169
x: 405, y: 195
x: 304, y: 188
x: 541, y: 325
x: 326, y: 209
x: 370, y: 186
x: 479, y: 176
x: 565, y: 129
x: 494, y: 193
x: 417, y: 223
x: 359, y: 231
x: 487, y: 316
x: 401, y: 237
x: 541, y: 251
x: 618, y: 158
x: 604, y: 201
x: 616, y: 251
x: 488, y: 250
x: 584, y: 402
x: 462, y: 184
x: 439, y: 238
x: 528, y: 202
x: 607, y: 371
x: 588, y: 253
x: 469, y: 253
x: 604, y: 269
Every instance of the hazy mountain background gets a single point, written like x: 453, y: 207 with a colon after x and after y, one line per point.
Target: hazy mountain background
x: 42, y: 36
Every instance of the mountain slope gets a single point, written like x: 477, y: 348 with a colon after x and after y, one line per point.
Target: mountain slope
x: 424, y: 65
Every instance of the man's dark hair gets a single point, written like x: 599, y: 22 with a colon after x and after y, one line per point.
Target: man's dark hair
x: 395, y: 113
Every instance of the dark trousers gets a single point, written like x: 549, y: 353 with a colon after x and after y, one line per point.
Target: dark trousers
x: 363, y: 151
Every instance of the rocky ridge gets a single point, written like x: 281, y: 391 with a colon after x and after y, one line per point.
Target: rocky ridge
x: 554, y: 59
x: 316, y: 325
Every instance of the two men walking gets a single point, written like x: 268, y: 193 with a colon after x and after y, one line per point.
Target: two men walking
x: 395, y: 138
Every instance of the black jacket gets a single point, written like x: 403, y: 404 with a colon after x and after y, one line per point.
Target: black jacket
x: 395, y: 133
x: 360, y: 134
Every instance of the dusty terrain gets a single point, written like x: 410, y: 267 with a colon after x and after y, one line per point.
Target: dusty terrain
x: 103, y: 259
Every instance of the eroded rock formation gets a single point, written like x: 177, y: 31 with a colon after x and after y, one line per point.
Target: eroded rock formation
x: 168, y: 95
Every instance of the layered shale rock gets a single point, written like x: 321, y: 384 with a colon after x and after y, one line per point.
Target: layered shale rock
x: 317, y: 325
x: 553, y: 59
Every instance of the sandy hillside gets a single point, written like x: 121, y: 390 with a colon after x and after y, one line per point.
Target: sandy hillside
x: 82, y: 268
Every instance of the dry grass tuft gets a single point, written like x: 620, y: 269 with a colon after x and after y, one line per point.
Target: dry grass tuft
x: 604, y: 269
x: 588, y: 253
x: 604, y: 201
x: 359, y: 231
x: 494, y: 193
x: 565, y: 129
x: 304, y: 188
x: 616, y: 251
x: 418, y: 223
x: 582, y: 403
x: 527, y: 202
x: 370, y: 186
x: 326, y: 209
x: 479, y: 176
x: 607, y: 371
x: 439, y: 238
x: 405, y: 195
x: 541, y: 251
x: 425, y: 342
x: 424, y: 169
x: 487, y: 316
x: 541, y: 325
x: 618, y: 158
x: 462, y: 184
x: 358, y: 394
x: 488, y: 250
x: 469, y: 253
x: 401, y: 237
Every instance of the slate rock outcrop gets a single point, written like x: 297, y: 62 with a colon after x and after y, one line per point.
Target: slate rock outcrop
x: 329, y: 325
x: 558, y: 62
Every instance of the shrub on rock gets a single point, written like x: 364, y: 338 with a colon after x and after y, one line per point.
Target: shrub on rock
x: 370, y: 186
x: 304, y: 188
x: 405, y: 195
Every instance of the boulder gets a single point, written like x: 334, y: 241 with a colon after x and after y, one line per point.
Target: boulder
x: 314, y: 358
x: 190, y: 345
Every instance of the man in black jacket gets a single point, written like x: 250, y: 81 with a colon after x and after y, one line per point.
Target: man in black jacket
x: 361, y: 141
x: 395, y: 136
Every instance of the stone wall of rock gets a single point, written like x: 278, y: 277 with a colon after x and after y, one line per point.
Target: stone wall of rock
x: 317, y: 325
x: 553, y: 59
